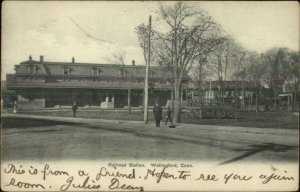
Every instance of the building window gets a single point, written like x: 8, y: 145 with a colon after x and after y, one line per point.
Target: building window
x: 96, y: 71
x: 121, y: 72
x: 31, y: 69
x: 99, y: 72
x: 66, y: 70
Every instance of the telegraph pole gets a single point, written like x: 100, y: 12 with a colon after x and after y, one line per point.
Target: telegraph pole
x: 147, y: 75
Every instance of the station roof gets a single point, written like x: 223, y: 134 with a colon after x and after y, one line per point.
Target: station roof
x: 105, y: 70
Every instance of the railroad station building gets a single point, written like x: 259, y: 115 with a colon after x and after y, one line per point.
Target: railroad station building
x: 45, y: 84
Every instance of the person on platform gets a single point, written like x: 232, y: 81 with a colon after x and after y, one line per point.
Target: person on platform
x: 74, y: 108
x: 168, y: 117
x: 157, y: 111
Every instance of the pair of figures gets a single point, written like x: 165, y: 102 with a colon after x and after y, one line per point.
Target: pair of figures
x: 157, y: 111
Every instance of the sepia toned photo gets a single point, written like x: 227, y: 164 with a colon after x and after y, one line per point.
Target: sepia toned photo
x: 150, y: 96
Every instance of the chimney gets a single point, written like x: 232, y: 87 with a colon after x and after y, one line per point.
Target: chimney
x: 30, y: 58
x: 73, y: 60
x: 41, y: 58
x: 133, y: 62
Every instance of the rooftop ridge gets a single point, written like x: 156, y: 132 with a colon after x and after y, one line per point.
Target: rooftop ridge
x: 77, y: 63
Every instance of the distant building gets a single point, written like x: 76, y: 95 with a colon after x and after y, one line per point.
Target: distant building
x: 40, y: 84
x: 229, y: 89
x: 242, y: 93
x: 289, y: 95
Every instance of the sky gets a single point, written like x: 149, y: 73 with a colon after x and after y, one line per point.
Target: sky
x: 55, y: 29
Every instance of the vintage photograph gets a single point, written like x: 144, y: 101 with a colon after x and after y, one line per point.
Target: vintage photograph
x: 149, y: 85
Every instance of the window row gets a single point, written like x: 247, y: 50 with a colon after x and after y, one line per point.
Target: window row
x: 94, y: 71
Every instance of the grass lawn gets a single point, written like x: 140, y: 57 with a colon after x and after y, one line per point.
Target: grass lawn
x: 245, y: 119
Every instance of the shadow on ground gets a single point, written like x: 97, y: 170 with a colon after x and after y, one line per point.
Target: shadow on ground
x: 258, y: 148
x: 11, y: 122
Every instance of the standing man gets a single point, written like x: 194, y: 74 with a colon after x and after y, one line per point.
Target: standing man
x: 168, y: 117
x: 157, y: 111
x: 74, y: 108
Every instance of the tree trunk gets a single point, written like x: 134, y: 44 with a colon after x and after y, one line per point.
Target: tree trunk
x: 243, y: 96
x: 256, y: 99
x: 129, y: 100
x: 296, y: 97
x: 177, y: 103
x: 172, y: 98
x: 275, y: 100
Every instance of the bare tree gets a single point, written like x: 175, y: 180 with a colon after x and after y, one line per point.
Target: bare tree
x: 142, y: 33
x: 253, y: 73
x: 293, y: 78
x: 272, y: 68
x: 239, y: 61
x: 199, y: 75
x: 189, y: 32
x: 275, y: 63
x: 226, y: 58
x: 285, y: 70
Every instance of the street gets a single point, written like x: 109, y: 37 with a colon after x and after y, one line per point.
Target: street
x: 41, y: 138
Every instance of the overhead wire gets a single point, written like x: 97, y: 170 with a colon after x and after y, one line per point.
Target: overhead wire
x: 85, y: 32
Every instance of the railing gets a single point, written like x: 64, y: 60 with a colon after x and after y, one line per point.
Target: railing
x: 211, y: 108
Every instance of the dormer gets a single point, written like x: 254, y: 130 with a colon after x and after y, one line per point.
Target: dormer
x: 121, y: 72
x: 66, y: 70
x: 32, y: 69
x: 96, y: 71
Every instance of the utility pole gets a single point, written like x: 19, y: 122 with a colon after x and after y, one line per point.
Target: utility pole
x: 147, y: 75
